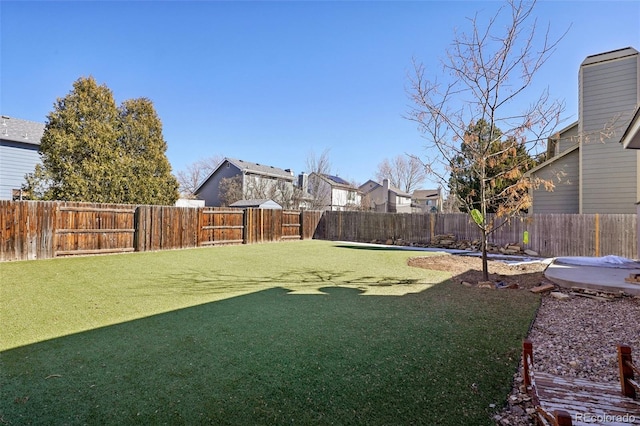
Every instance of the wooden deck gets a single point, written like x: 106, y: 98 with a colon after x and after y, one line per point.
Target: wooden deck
x: 586, y: 402
x: 568, y: 401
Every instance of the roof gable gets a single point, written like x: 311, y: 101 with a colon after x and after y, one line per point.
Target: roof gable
x: 369, y: 186
x: 631, y: 137
x: 553, y: 159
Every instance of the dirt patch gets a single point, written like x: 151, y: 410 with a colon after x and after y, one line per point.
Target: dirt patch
x: 469, y: 269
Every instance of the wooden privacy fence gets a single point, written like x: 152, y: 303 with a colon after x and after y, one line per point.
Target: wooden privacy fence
x: 46, y: 229
x: 548, y: 234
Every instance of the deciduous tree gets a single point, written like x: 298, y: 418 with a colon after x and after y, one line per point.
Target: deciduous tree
x: 487, y: 78
x: 195, y: 173
x: 404, y: 172
x: 319, y: 192
x: 231, y: 190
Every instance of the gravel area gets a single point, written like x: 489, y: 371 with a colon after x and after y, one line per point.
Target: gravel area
x: 576, y: 338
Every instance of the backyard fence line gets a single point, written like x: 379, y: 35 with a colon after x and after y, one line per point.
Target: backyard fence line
x: 550, y: 235
x: 47, y: 229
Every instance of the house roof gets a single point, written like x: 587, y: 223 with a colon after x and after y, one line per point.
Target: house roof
x: 425, y: 194
x: 18, y: 130
x: 260, y: 169
x: 607, y: 56
x: 260, y: 203
x: 247, y: 167
x: 335, y: 181
x: 338, y: 180
x: 631, y: 137
x: 372, y: 185
x: 399, y: 192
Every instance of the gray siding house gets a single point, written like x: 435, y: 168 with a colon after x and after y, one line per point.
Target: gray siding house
x: 590, y: 169
x: 427, y: 201
x: 19, y: 144
x: 256, y: 179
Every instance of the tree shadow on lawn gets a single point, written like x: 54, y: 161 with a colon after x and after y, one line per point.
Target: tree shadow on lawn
x: 297, y: 280
x: 272, y: 358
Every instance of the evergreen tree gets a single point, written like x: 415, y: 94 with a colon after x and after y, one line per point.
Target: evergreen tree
x: 505, y: 161
x: 93, y: 151
x: 149, y: 179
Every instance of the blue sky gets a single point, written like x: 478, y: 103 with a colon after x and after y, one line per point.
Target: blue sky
x: 270, y: 82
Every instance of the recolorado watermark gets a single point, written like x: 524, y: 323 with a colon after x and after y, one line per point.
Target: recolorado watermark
x: 604, y: 418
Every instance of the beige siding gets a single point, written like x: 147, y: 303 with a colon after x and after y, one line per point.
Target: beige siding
x: 565, y: 196
x: 609, y: 93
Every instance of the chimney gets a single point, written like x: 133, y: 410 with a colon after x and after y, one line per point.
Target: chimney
x: 385, y: 196
x: 303, y: 182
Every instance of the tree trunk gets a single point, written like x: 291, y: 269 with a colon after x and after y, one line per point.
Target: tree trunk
x: 485, y: 265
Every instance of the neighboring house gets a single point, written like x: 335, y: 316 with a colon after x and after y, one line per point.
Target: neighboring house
x: 257, y: 204
x: 332, y: 193
x: 385, y: 198
x: 590, y: 169
x: 19, y: 145
x: 255, y: 181
x: 427, y: 201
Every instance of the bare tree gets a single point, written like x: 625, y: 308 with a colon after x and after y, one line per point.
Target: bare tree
x: 490, y: 68
x: 318, y: 189
x: 231, y: 190
x: 196, y: 172
x: 281, y: 191
x: 405, y: 172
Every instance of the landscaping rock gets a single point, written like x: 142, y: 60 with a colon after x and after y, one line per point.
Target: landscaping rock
x: 560, y: 296
x: 543, y: 288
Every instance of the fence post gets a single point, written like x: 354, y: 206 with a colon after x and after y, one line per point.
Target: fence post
x: 54, y: 228
x: 597, y: 236
x: 136, y: 227
x: 141, y: 225
x: 626, y: 372
x: 245, y: 226
x: 562, y: 418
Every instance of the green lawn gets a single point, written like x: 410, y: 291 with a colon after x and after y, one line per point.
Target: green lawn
x: 302, y: 332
